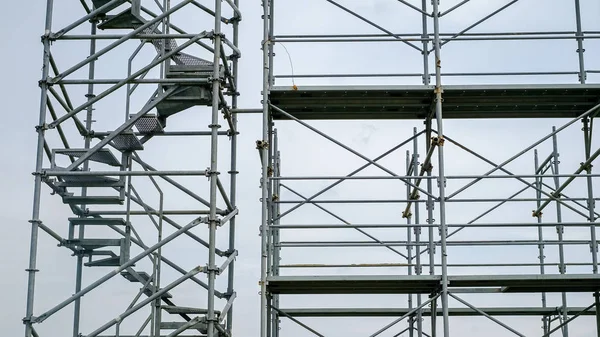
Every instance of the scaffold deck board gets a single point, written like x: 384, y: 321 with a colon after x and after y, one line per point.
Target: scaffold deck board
x: 417, y: 101
x: 397, y: 312
x: 426, y: 284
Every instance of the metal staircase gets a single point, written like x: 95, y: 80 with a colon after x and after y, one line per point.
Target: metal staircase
x: 96, y: 174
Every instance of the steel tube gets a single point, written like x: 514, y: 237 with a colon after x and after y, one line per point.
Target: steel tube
x: 559, y: 229
x: 591, y: 202
x: 87, y: 142
x: 441, y: 182
x: 233, y: 177
x: 316, y: 244
x: 409, y: 256
x: 35, y: 217
x: 474, y: 225
x: 580, y: 50
x: 417, y: 228
x: 541, y: 256
x: 213, y: 175
x: 387, y: 201
x: 450, y: 177
x: 135, y: 81
x: 265, y: 221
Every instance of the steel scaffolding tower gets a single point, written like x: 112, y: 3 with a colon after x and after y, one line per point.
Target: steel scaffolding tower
x: 431, y: 276
x: 140, y: 192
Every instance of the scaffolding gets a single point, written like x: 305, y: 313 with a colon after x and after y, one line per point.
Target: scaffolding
x: 140, y: 189
x: 448, y: 238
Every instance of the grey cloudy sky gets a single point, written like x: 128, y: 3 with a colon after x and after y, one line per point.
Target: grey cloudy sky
x: 304, y: 153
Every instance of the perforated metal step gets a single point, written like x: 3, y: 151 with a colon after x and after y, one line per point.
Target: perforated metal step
x: 149, y: 124
x: 101, y: 156
x: 92, y: 200
x: 98, y: 221
x: 127, y: 142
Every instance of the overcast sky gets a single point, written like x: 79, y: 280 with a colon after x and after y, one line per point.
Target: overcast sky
x: 304, y: 153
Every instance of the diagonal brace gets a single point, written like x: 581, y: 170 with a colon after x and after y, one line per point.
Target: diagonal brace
x: 347, y: 148
x: 349, y: 175
x: 283, y: 313
x: 373, y: 24
x: 346, y: 222
x: 564, y: 185
x: 486, y: 315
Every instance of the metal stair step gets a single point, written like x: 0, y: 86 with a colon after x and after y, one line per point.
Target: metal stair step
x: 127, y: 142
x: 100, y: 3
x: 202, y: 326
x: 101, y: 156
x: 128, y: 19
x: 89, y: 181
x: 186, y: 310
x: 92, y: 200
x: 149, y: 124
x: 183, y: 99
x: 149, y: 291
x: 98, y: 221
x: 142, y: 277
x: 113, y: 261
x: 91, y: 244
x: 131, y: 277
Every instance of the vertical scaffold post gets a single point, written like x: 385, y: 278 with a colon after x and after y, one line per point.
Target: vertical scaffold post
x: 417, y: 231
x: 213, y: 174
x: 233, y: 170
x: 538, y: 196
x: 580, y: 50
x: 264, y: 306
x: 559, y: 229
x: 442, y: 179
x: 411, y: 319
x: 592, y: 214
x: 40, y: 128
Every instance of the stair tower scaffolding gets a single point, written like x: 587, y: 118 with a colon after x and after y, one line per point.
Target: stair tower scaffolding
x: 155, y: 180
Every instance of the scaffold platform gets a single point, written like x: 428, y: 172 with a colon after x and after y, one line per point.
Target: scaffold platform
x: 418, y: 101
